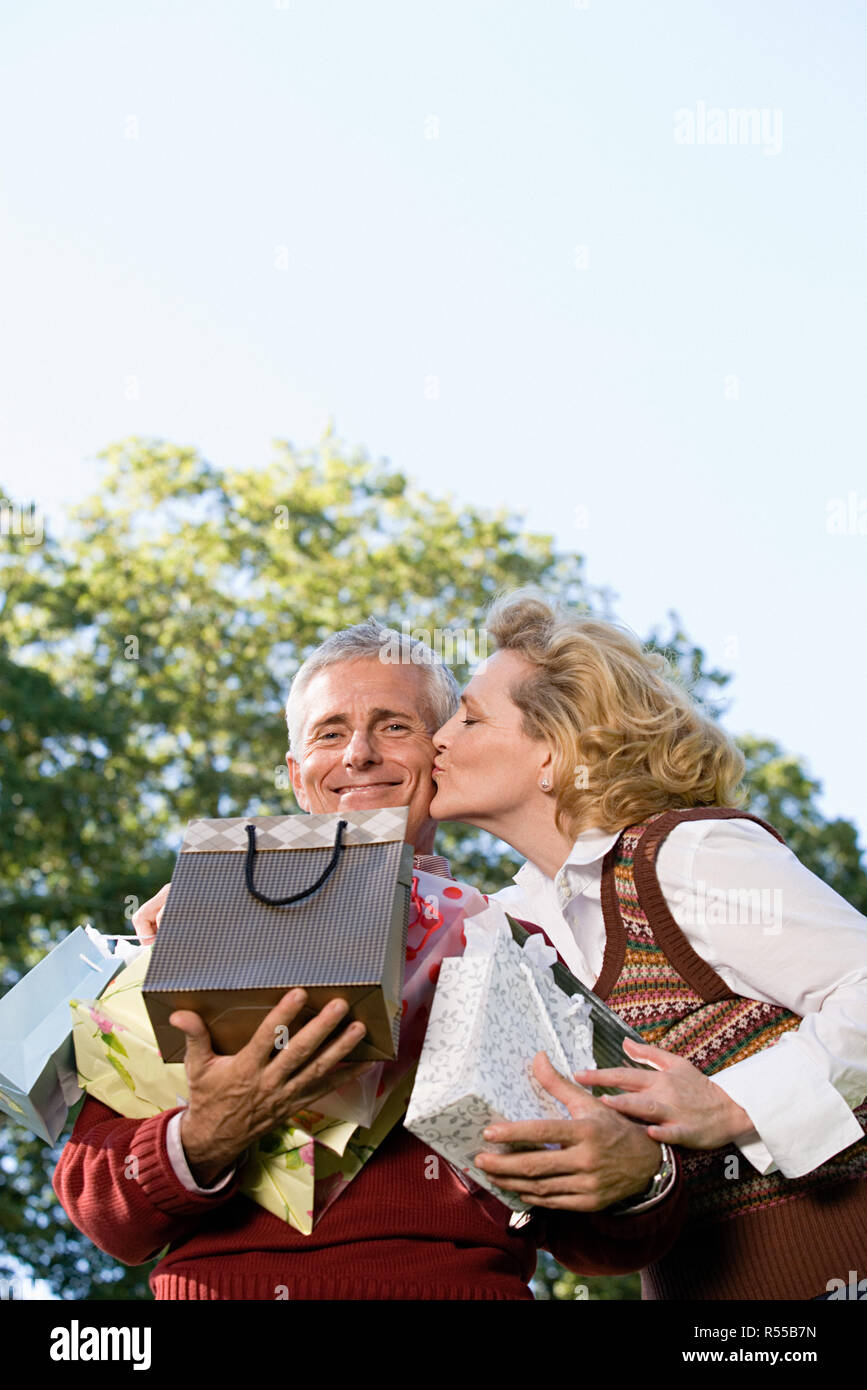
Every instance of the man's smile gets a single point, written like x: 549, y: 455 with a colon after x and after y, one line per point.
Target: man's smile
x: 363, y: 787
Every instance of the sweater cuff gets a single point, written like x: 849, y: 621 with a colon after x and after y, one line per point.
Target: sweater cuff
x: 648, y: 1217
x: 178, y: 1160
x: 151, y: 1166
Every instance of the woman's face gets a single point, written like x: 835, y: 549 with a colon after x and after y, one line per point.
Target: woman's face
x: 487, y: 768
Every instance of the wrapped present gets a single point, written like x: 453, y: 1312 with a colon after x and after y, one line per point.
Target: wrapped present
x: 260, y: 906
x: 116, y: 1053
x: 494, y: 1009
x: 37, y: 1073
x: 299, y: 1170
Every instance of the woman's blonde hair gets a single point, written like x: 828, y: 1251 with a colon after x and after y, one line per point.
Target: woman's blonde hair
x: 627, y: 738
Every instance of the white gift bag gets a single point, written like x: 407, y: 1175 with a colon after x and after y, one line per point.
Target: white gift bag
x: 494, y: 1008
x: 38, y: 1082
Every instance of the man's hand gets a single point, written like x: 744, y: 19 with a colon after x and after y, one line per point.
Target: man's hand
x: 147, y: 919
x: 597, y: 1163
x: 677, y: 1102
x: 236, y: 1100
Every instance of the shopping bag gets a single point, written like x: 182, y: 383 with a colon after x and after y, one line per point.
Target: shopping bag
x: 258, y: 906
x: 37, y: 1076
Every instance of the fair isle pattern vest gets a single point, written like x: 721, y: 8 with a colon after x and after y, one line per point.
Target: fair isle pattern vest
x: 655, y: 981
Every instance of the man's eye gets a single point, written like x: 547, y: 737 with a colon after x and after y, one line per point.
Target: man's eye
x: 397, y: 726
x: 332, y: 733
x: 469, y: 721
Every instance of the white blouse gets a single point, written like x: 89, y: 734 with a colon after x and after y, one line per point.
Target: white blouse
x: 774, y: 932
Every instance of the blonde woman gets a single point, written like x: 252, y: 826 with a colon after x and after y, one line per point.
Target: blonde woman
x: 745, y: 973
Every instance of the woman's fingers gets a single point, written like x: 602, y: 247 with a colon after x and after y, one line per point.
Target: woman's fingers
x: 672, y: 1133
x: 146, y: 919
x: 653, y: 1056
x: 640, y: 1106
x: 625, y: 1078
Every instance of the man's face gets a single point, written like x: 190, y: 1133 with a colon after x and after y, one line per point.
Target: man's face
x: 366, y: 742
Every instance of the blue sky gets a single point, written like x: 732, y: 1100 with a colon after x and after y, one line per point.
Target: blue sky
x: 473, y: 235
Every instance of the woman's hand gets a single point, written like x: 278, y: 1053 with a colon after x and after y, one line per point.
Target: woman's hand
x: 677, y: 1102
x: 601, y: 1158
x: 146, y: 920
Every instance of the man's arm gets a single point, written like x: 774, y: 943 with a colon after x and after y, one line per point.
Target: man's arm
x: 116, y: 1182
x: 580, y: 1187
x: 116, y: 1178
x: 604, y: 1243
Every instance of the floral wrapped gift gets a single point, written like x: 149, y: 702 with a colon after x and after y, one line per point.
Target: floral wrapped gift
x: 494, y: 1009
x: 297, y: 1171
x: 116, y: 1053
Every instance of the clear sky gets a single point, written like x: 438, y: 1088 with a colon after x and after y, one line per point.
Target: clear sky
x: 523, y: 250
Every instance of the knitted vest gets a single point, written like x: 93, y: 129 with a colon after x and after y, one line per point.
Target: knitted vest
x: 746, y: 1236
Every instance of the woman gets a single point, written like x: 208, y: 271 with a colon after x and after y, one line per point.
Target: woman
x: 693, y: 920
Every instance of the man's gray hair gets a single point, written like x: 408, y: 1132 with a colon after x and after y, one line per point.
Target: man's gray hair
x: 369, y: 639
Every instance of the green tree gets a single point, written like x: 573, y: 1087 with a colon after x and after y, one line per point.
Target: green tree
x: 144, y: 665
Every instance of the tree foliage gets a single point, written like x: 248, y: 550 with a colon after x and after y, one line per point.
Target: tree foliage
x: 144, y: 664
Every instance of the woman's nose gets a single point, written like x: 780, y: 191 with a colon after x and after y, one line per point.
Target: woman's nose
x: 441, y: 738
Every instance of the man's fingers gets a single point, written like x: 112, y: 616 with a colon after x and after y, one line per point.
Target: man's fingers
x: 310, y: 1070
x: 199, y: 1048
x: 316, y: 1041
x: 537, y: 1163
x: 574, y: 1202
x: 571, y: 1095
x: 535, y: 1132
x: 559, y: 1184
x: 269, y: 1034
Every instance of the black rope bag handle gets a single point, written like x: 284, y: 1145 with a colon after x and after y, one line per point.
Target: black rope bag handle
x: 339, y: 847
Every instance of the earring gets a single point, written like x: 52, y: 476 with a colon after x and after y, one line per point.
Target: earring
x: 545, y: 784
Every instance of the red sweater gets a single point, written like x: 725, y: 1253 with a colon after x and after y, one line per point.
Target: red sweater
x: 395, y: 1233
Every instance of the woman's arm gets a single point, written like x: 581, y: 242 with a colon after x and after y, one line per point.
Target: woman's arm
x: 775, y: 932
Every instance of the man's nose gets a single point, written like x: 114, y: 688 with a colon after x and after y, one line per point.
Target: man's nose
x: 360, y: 750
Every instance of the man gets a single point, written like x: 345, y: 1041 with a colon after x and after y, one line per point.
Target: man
x: 360, y: 735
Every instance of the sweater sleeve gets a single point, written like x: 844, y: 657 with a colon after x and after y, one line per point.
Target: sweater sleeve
x: 116, y: 1183
x: 601, y: 1243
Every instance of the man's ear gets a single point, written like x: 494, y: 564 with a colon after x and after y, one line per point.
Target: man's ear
x: 295, y: 775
